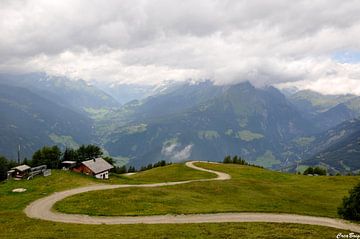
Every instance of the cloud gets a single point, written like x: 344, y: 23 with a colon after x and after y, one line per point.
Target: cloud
x: 266, y: 42
x: 176, y: 153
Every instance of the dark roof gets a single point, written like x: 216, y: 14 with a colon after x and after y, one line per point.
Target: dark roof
x: 98, y: 165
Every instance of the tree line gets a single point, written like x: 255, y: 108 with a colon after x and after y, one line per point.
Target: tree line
x: 132, y: 169
x: 53, y: 156
x: 238, y: 160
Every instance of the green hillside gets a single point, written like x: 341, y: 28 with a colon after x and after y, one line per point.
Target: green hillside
x: 250, y: 190
x: 14, y: 223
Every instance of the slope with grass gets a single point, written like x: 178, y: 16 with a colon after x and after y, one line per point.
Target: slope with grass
x: 15, y: 224
x: 249, y: 190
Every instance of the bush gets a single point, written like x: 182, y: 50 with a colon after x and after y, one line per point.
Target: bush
x: 350, y: 208
x: 316, y: 170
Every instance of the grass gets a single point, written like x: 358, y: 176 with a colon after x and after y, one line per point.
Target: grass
x: 169, y: 173
x: 14, y: 223
x: 250, y: 190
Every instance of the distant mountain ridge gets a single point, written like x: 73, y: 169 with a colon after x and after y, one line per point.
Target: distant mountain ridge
x: 326, y: 110
x: 204, y: 121
x: 32, y: 121
x: 75, y: 94
x: 181, y: 121
x: 337, y: 149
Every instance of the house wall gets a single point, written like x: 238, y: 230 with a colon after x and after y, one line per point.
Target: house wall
x: 83, y: 169
x: 102, y: 175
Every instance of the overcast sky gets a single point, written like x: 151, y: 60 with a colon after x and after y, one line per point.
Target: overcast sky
x: 311, y: 44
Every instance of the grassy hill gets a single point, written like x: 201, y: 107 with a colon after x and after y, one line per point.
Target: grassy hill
x: 250, y: 190
x: 14, y: 223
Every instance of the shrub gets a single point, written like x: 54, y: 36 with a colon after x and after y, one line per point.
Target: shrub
x: 350, y: 208
x: 316, y: 170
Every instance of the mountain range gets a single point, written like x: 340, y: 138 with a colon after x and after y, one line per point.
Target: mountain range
x: 138, y: 125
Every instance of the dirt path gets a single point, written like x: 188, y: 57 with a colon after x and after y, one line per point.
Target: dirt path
x: 42, y: 209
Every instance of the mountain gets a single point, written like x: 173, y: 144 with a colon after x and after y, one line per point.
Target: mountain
x: 205, y: 121
x: 334, y: 116
x: 34, y: 121
x: 337, y: 149
x: 310, y: 101
x: 76, y: 95
x: 178, y: 121
x: 326, y: 111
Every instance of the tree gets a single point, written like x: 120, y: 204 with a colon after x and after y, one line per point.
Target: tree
x: 131, y: 169
x: 108, y: 159
x: 227, y: 159
x: 160, y: 164
x: 309, y: 170
x: 50, y: 156
x: 87, y: 152
x: 150, y: 166
x: 316, y: 170
x: 26, y: 161
x: 319, y: 171
x: 5, y: 165
x: 70, y: 155
x: 119, y: 170
x: 235, y: 159
x: 350, y: 208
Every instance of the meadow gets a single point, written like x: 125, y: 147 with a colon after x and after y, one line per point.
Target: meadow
x: 251, y: 189
x: 15, y: 224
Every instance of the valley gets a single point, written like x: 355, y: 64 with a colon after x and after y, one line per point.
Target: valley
x: 182, y: 121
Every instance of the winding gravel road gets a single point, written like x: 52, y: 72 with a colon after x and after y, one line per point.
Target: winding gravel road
x: 42, y: 209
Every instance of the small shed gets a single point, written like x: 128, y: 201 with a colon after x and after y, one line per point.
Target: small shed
x: 98, y: 167
x: 19, y: 172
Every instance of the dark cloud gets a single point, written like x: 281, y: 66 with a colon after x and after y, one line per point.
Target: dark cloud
x: 266, y: 42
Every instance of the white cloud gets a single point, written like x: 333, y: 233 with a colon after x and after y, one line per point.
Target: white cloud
x: 176, y: 153
x: 143, y: 41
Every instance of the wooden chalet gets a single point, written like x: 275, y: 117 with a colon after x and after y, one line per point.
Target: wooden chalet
x: 97, y: 167
x: 19, y: 172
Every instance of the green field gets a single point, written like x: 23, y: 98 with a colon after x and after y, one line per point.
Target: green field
x: 250, y: 190
x: 14, y: 223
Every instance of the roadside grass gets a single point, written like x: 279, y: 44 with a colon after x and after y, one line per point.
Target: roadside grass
x: 250, y: 190
x: 15, y: 224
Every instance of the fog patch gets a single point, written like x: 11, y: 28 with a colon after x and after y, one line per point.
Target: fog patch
x: 175, y: 152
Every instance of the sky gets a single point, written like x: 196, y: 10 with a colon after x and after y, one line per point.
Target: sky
x: 308, y: 44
